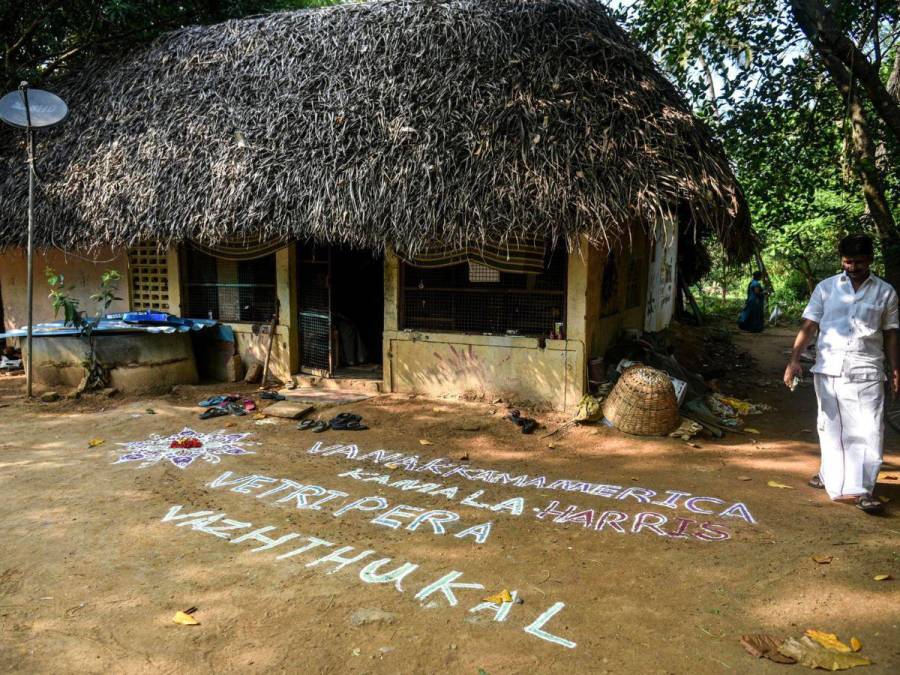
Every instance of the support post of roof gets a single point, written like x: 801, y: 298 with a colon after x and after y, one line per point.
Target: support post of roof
x: 391, y: 314
x: 173, y: 269
x: 286, y: 289
x: 576, y: 322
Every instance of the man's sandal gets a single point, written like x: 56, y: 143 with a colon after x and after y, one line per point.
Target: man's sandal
x: 869, y: 504
x: 816, y: 482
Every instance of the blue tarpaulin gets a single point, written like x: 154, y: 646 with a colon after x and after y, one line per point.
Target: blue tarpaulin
x: 129, y: 322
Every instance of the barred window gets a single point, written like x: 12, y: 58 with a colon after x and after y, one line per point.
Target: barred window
x: 229, y: 290
x: 471, y: 298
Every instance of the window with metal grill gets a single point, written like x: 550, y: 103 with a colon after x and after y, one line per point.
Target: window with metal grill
x: 228, y: 290
x: 470, y: 298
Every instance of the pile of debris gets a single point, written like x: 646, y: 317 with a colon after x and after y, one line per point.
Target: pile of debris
x: 640, y: 387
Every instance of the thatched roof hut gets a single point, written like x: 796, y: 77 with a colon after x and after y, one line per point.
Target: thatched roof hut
x: 385, y: 124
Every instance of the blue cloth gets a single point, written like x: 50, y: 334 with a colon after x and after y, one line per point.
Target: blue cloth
x: 752, y: 318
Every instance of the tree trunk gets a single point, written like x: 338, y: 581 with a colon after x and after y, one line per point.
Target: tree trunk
x: 866, y: 168
x: 819, y: 25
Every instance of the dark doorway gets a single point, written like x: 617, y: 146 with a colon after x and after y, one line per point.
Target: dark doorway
x: 341, y: 304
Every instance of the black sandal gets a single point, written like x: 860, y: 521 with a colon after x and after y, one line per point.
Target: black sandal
x: 319, y: 427
x: 306, y: 424
x: 869, y: 504
x: 816, y: 482
x: 213, y: 412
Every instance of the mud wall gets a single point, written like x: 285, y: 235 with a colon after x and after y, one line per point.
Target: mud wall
x: 80, y: 273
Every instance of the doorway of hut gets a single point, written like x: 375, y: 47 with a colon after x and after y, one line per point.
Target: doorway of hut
x: 341, y: 305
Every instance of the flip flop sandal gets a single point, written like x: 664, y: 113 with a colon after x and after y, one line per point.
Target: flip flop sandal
x: 306, y: 424
x: 272, y: 396
x: 816, y: 482
x: 869, y: 504
x: 319, y: 427
x: 213, y: 412
x: 528, y: 426
x: 348, y: 417
x: 355, y: 426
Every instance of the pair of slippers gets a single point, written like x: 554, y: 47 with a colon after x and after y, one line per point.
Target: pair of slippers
x: 527, y: 424
x: 225, y: 409
x: 342, y: 422
x: 865, y: 503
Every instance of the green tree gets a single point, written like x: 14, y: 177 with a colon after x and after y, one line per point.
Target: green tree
x: 806, y: 97
x: 43, y: 38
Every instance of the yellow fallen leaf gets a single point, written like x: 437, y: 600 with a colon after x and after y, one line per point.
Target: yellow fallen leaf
x: 823, y: 559
x: 744, y: 478
x: 855, y: 644
x: 94, y: 442
x: 813, y: 655
x: 424, y: 441
x: 498, y: 598
x: 183, y: 619
x: 551, y: 445
x: 776, y: 484
x: 751, y: 430
x: 259, y: 416
x: 828, y: 640
x: 882, y: 577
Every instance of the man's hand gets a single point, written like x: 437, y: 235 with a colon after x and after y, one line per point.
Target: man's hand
x: 794, y: 369
x: 895, y: 384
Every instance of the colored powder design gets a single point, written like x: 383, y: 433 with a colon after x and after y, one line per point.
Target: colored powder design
x: 184, y: 448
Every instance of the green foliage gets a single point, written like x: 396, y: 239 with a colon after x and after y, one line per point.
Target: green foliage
x: 41, y: 38
x: 749, y: 71
x: 61, y: 300
x: 109, y: 284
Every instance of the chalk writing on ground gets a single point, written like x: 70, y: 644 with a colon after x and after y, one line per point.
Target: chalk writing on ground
x: 284, y: 491
x: 445, y: 468
x: 183, y: 448
x: 372, y: 570
x: 313, y: 497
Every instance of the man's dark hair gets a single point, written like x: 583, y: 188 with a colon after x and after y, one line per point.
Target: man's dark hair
x: 757, y: 275
x: 856, y: 244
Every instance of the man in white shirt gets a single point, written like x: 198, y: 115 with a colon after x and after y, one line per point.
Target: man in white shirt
x: 855, y: 314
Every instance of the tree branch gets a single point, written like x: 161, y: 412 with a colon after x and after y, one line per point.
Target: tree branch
x: 819, y: 26
x: 32, y: 28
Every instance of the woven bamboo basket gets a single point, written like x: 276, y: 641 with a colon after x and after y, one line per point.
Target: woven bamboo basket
x: 643, y: 403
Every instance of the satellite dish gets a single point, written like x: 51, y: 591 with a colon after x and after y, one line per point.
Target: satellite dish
x: 46, y: 109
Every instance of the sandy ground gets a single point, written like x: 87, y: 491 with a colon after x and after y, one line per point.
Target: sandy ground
x: 91, y: 575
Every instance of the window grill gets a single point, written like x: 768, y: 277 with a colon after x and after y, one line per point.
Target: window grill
x: 149, y: 271
x: 464, y: 298
x: 227, y: 290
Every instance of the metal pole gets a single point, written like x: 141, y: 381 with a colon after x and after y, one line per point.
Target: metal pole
x: 28, y: 340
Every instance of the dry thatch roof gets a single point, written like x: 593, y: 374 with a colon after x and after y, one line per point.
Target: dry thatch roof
x: 379, y: 124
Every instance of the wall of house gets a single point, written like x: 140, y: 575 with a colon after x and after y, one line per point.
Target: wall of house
x: 550, y: 373
x: 80, y: 273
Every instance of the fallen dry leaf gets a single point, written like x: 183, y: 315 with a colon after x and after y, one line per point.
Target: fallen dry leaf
x: 751, y: 430
x: 776, y: 484
x: 551, y: 445
x: 823, y: 559
x: 94, y: 442
x: 183, y: 619
x: 765, y: 646
x: 855, y: 644
x: 882, y: 577
x: 889, y: 476
x: 425, y: 441
x: 827, y: 640
x: 259, y: 416
x: 498, y: 598
x: 744, y: 478
x: 813, y: 655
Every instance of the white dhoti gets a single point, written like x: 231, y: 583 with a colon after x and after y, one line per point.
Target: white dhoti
x: 851, y: 434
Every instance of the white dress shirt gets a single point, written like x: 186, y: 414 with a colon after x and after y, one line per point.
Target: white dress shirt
x: 851, y: 325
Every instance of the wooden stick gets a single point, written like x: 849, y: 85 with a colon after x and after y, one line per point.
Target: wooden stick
x: 272, y: 324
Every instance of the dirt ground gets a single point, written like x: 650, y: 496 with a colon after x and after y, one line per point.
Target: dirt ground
x: 92, y: 572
